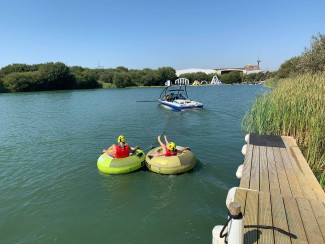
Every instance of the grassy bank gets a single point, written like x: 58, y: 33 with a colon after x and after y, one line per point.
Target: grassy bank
x: 272, y: 83
x: 296, y: 108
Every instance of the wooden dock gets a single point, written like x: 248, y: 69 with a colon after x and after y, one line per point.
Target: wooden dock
x: 281, y: 200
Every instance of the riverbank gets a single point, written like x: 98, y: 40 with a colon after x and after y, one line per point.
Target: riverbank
x: 272, y: 83
x: 296, y: 108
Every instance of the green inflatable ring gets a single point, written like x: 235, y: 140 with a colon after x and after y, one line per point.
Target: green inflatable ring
x: 110, y: 165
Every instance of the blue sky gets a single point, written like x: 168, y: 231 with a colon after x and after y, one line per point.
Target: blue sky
x: 151, y: 34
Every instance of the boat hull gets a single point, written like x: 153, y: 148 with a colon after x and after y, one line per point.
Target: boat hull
x: 180, y: 107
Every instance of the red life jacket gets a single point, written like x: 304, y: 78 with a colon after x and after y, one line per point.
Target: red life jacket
x: 122, y: 152
x: 171, y: 153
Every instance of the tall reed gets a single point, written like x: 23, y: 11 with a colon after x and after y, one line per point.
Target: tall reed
x: 296, y: 108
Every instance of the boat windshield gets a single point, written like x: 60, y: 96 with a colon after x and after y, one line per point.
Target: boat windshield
x: 172, y: 93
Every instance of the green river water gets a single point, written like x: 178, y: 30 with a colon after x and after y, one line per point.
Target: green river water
x: 52, y: 192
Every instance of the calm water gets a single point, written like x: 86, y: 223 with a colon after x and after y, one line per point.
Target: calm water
x: 52, y: 192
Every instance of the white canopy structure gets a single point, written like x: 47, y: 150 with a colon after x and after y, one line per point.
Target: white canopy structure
x: 182, y: 81
x: 215, y: 81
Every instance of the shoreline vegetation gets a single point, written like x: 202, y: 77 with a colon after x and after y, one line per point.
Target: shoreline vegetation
x: 58, y: 76
x: 296, y: 107
x: 272, y: 83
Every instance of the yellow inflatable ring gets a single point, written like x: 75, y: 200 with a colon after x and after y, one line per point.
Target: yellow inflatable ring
x: 184, y: 161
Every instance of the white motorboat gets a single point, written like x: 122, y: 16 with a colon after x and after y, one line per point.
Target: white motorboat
x: 175, y: 98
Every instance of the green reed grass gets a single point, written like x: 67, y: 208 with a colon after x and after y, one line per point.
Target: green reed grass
x: 296, y: 108
x: 272, y: 83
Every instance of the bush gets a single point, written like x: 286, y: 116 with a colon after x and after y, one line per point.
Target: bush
x: 22, y: 82
x: 313, y: 58
x: 289, y: 68
x: 55, y: 76
x: 86, y: 79
x: 121, y: 79
x: 231, y: 77
x: 16, y: 68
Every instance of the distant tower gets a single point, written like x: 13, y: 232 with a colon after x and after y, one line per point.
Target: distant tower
x: 258, y: 62
x: 99, y: 66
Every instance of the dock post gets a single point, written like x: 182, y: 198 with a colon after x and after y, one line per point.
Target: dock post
x: 247, y: 137
x: 239, y: 172
x: 244, y: 150
x: 216, y: 239
x: 236, y: 224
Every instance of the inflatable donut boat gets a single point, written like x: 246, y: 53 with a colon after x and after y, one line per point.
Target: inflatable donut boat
x: 182, y: 162
x: 110, y: 165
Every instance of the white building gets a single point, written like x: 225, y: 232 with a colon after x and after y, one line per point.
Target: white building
x: 248, y: 69
x: 183, y: 71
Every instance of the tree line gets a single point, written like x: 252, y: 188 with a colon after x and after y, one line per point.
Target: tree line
x: 58, y: 76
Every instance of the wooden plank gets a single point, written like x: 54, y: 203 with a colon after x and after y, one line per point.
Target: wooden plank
x: 319, y: 213
x: 273, y: 175
x: 291, y: 175
x: 314, y: 184
x: 251, y: 235
x: 279, y: 219
x: 265, y: 218
x: 283, y: 181
x: 264, y: 172
x: 294, y: 220
x: 240, y: 197
x: 289, y: 142
x: 311, y: 227
x: 244, y: 182
x: 302, y: 178
x: 255, y: 171
x: 297, y: 154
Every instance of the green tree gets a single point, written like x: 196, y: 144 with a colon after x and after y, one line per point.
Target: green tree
x: 164, y: 74
x: 149, y: 77
x: 121, y: 69
x: 15, y: 68
x: 270, y: 74
x: 136, y: 76
x: 259, y: 76
x: 251, y: 77
x: 86, y: 79
x: 2, y: 88
x: 313, y: 58
x: 107, y: 77
x: 22, y: 82
x: 76, y: 69
x: 231, y: 77
x: 189, y: 76
x: 55, y: 76
x: 288, y: 68
x: 121, y: 79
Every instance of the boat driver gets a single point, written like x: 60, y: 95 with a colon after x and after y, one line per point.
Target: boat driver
x: 168, y: 150
x: 122, y: 150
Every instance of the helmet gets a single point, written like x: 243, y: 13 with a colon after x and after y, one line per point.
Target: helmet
x: 171, y: 146
x: 120, y: 139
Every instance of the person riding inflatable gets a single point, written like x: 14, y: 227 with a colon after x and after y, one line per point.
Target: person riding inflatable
x: 168, y: 150
x: 171, y: 150
x: 122, y: 150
